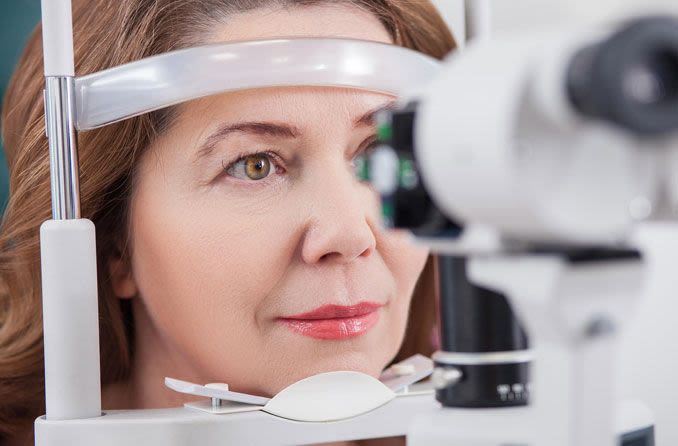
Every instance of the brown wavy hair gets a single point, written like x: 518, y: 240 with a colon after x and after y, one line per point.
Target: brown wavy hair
x: 109, y: 33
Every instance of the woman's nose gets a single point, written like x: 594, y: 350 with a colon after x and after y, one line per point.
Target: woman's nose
x: 341, y: 225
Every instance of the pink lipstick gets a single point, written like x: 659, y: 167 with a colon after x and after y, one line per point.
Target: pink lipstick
x: 335, y: 321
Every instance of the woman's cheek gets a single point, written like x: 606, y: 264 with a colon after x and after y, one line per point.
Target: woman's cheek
x: 405, y: 258
x: 406, y: 262
x: 200, y: 256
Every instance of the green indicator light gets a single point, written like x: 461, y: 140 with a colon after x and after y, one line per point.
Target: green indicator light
x: 404, y: 166
x: 407, y: 174
x: 384, y: 132
x: 362, y: 168
x: 387, y: 212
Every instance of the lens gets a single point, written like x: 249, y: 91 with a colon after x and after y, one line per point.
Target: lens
x: 653, y: 81
x: 407, y: 204
x: 630, y: 79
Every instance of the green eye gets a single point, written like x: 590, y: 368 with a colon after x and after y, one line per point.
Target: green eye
x: 253, y: 167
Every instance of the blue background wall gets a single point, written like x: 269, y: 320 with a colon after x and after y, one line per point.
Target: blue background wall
x: 17, y: 20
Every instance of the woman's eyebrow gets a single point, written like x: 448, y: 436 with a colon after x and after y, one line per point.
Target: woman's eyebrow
x: 255, y: 128
x: 273, y: 129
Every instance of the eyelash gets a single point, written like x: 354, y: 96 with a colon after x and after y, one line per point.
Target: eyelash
x: 371, y: 143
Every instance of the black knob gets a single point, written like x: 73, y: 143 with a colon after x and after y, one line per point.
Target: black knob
x: 482, y: 338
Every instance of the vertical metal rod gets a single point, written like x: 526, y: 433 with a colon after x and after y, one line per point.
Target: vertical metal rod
x: 60, y: 122
x: 67, y: 242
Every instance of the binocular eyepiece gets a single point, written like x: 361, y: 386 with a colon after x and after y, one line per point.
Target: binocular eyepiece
x: 405, y: 201
x: 630, y: 79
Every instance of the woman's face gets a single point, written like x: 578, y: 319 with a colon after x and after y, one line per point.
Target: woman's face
x: 257, y: 255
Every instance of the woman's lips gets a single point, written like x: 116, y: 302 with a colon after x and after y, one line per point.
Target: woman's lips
x: 335, y: 321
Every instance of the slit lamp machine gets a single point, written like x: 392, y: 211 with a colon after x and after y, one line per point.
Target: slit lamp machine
x: 525, y: 163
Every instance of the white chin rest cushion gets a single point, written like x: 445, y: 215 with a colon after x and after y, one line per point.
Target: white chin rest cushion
x: 330, y: 396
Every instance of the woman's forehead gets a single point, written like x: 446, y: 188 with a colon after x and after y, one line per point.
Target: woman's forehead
x: 288, y: 103
x: 325, y: 19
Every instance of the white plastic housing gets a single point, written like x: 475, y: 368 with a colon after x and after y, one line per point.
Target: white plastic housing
x: 57, y: 38
x: 330, y: 396
x: 515, y: 425
x: 182, y: 426
x: 499, y: 146
x: 159, y: 81
x: 70, y: 319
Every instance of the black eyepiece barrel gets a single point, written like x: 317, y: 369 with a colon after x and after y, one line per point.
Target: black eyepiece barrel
x: 630, y: 79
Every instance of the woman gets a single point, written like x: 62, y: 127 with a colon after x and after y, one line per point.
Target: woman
x: 235, y: 243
